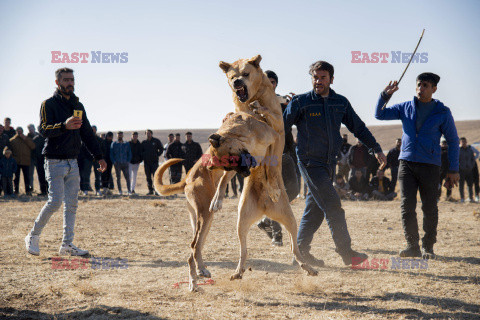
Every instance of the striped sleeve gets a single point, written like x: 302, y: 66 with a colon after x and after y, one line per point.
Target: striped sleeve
x: 48, y: 127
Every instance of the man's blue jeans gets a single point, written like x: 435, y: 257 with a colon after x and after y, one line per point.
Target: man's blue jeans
x: 64, y: 183
x: 322, y: 202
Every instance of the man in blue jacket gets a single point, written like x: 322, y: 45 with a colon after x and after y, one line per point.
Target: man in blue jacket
x: 121, y: 154
x: 424, y: 121
x: 318, y: 115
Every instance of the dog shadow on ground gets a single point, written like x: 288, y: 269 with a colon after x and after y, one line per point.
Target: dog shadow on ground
x: 100, y: 311
x: 350, y: 302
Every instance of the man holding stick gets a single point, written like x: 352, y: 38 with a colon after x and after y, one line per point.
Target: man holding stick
x: 424, y: 121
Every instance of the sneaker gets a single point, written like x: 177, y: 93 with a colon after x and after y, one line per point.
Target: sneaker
x: 411, y: 252
x: 477, y: 199
x: 72, y: 250
x: 351, y: 257
x: 427, y: 253
x: 277, y: 242
x: 265, y: 227
x: 120, y: 193
x: 31, y: 243
x: 309, y: 259
x: 98, y: 193
x: 150, y: 193
x: 462, y: 200
x: 85, y: 193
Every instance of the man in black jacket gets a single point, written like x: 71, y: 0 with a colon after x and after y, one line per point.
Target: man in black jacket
x: 174, y: 150
x: 40, y: 162
x: 152, y: 150
x: 192, y: 150
x: 393, y: 163
x: 65, y: 125
x: 137, y: 158
x: 107, y: 173
x: 380, y: 187
x: 96, y: 166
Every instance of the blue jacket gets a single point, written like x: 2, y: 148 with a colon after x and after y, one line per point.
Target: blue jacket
x: 120, y: 152
x: 423, y: 146
x: 8, y: 167
x: 318, y: 122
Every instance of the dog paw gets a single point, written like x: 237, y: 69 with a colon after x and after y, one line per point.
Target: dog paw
x: 193, y: 287
x: 310, y: 270
x: 236, y: 276
x: 204, y: 273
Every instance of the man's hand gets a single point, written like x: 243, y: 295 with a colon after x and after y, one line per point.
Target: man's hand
x: 391, y: 88
x: 73, y: 123
x: 381, y: 159
x: 103, y: 165
x: 454, y: 177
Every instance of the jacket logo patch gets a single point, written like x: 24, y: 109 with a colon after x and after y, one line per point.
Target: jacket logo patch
x: 315, y: 114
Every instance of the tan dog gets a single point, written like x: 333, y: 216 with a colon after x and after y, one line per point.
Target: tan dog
x: 241, y: 135
x: 251, y: 87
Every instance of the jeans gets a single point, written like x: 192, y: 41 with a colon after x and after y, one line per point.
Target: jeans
x: 132, y: 171
x: 122, y: 167
x: 150, y: 169
x: 413, y: 177
x: 322, y: 202
x: 64, y: 183
x: 107, y: 175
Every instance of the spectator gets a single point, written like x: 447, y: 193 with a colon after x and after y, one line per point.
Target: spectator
x: 343, y: 167
x: 85, y: 163
x: 8, y: 166
x: 96, y: 165
x: 39, y: 142
x: 107, y: 174
x: 8, y: 129
x: 175, y: 150
x: 372, y: 166
x: 358, y: 158
x: 466, y: 165
x: 65, y: 125
x: 342, y: 187
x: 171, y: 137
x: 121, y: 154
x: 424, y: 120
x: 33, y: 161
x: 359, y: 186
x: 137, y: 152
x: 393, y: 162
x: 4, y: 142
x: 475, y: 175
x: 193, y: 152
x: 444, y: 171
x: 381, y: 187
x: 318, y: 115
x: 22, y: 147
x: 152, y: 149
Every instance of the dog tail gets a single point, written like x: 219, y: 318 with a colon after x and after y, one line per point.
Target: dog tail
x: 167, y: 190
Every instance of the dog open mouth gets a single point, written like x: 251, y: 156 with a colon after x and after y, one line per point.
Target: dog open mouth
x: 241, y: 91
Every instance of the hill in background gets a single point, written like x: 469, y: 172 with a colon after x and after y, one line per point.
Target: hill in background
x: 385, y: 134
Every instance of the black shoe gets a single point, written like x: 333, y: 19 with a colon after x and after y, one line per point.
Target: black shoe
x: 411, y: 252
x: 309, y: 259
x: 150, y: 193
x: 277, y: 241
x: 352, y: 257
x: 427, y: 253
x: 265, y: 227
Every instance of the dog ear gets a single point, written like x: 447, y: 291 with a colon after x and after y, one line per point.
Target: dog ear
x: 225, y: 66
x: 255, y: 60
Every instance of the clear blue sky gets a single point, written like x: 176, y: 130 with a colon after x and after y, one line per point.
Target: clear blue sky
x: 172, y: 78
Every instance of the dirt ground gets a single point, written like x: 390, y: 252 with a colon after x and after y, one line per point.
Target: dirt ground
x: 139, y: 247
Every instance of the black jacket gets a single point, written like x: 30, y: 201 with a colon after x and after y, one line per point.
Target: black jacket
x: 4, y: 142
x: 106, y: 144
x: 193, y: 152
x: 174, y: 150
x: 359, y: 186
x: 392, y: 158
x: 39, y: 144
x: 374, y: 184
x: 137, y: 152
x: 61, y: 143
x: 152, y: 150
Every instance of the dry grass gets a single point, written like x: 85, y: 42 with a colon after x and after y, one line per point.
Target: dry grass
x: 154, y: 236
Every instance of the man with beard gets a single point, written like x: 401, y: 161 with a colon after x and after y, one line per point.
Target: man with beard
x: 318, y: 116
x: 65, y: 125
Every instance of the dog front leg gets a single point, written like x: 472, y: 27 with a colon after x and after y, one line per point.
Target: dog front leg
x: 216, y: 203
x: 272, y: 169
